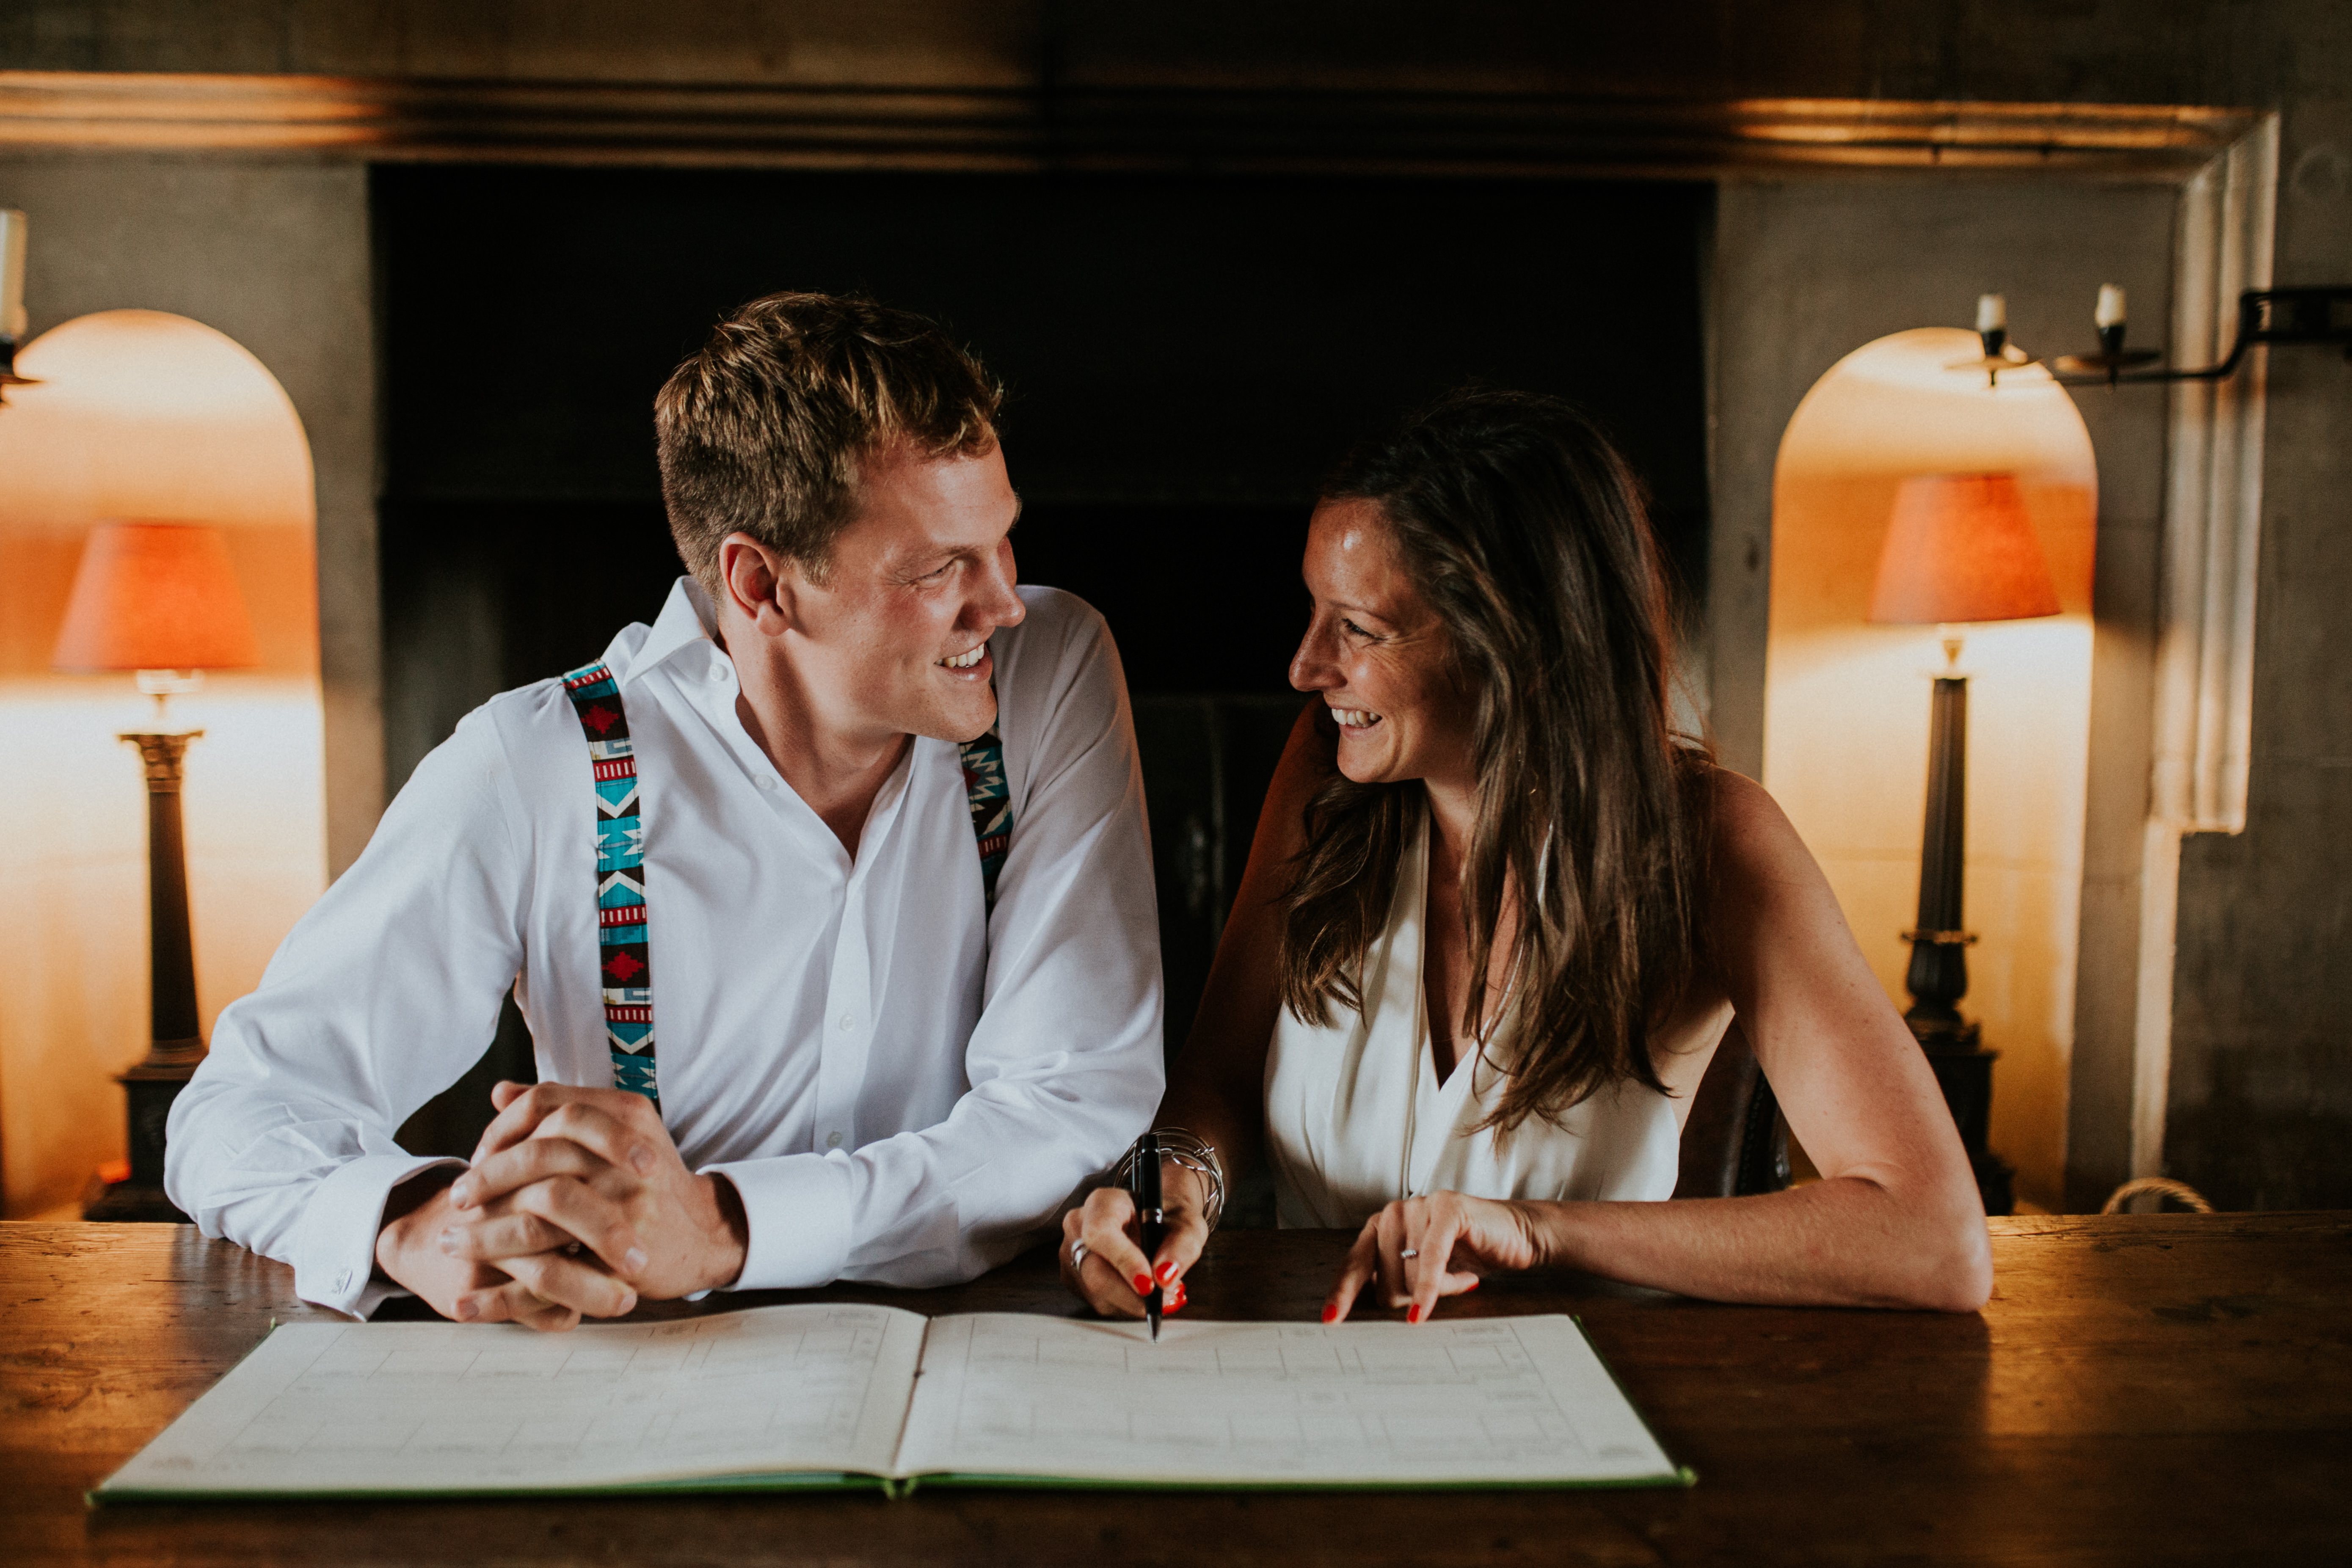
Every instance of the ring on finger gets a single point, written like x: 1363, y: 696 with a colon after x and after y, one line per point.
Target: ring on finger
x: 1410, y: 1252
x: 1077, y: 1254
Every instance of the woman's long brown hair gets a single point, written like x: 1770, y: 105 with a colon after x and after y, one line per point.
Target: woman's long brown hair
x: 1527, y: 534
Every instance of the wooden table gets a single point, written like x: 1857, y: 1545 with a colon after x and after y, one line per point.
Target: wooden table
x: 2143, y: 1389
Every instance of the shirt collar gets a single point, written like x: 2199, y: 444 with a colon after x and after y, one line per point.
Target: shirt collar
x: 686, y: 619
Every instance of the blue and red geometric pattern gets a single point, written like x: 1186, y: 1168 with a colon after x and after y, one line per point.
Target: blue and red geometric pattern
x: 625, y: 957
x: 991, y: 799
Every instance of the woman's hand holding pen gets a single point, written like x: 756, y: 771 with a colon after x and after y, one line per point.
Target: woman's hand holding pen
x: 1110, y: 1273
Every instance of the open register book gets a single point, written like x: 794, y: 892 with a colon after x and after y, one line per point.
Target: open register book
x: 846, y: 1396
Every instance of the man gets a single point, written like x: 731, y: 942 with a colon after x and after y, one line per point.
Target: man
x: 801, y: 1040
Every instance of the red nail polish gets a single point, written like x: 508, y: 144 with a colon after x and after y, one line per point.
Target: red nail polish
x: 1472, y: 1286
x: 1412, y: 1313
x: 1143, y: 1284
x: 1168, y: 1273
x: 1331, y: 1313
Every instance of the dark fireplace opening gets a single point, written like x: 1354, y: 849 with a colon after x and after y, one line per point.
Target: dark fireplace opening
x: 1185, y: 355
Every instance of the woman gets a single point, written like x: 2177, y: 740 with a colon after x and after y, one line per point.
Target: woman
x: 1498, y: 914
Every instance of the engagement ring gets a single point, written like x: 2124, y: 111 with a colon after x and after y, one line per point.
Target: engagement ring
x: 1410, y: 1252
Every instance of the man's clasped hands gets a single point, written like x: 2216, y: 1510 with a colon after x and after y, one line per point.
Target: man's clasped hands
x: 575, y: 1203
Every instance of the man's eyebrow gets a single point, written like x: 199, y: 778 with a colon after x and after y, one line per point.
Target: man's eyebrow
x: 943, y: 551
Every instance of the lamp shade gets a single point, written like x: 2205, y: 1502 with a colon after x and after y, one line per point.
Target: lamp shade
x: 155, y: 595
x: 1961, y: 548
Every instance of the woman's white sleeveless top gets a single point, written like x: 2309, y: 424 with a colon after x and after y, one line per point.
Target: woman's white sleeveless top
x: 1355, y: 1117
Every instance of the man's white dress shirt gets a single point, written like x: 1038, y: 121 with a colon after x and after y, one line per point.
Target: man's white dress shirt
x: 902, y: 1086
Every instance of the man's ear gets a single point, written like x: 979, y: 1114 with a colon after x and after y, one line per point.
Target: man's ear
x: 759, y: 584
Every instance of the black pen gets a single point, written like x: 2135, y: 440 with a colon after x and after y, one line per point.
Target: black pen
x: 1144, y: 1187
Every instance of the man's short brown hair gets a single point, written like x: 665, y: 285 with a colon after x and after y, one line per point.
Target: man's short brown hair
x: 765, y: 430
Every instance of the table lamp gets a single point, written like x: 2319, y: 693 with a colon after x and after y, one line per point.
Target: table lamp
x: 162, y: 599
x: 1959, y: 548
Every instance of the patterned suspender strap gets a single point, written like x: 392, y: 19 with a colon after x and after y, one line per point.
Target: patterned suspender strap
x: 621, y: 917
x: 990, y: 798
x: 626, y: 961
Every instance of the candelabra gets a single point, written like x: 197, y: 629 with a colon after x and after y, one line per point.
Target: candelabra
x: 2265, y: 316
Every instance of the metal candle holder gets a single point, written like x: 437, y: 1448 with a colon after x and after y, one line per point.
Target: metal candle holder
x: 9, y: 376
x: 2317, y: 315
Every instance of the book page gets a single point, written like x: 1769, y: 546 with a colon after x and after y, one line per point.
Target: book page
x: 1476, y: 1400
x: 457, y: 1407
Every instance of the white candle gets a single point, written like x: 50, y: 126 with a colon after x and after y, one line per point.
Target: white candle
x: 12, y: 273
x: 2110, y: 313
x: 1992, y: 312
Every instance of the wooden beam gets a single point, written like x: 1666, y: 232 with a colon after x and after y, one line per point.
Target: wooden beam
x: 1234, y: 131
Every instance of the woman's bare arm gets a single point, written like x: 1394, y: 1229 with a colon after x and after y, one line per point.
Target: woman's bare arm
x: 1896, y: 1220
x: 1216, y: 1085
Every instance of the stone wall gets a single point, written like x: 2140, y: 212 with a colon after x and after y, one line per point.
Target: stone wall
x: 2262, y: 1074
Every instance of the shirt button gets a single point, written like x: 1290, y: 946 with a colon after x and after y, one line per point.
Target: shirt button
x: 719, y: 670
x: 766, y: 782
x: 849, y: 1020
x: 833, y: 1139
x: 343, y: 1280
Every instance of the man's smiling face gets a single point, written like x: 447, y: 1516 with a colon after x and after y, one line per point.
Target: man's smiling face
x: 894, y: 641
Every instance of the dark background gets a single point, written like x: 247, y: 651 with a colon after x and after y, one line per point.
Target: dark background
x: 1184, y: 356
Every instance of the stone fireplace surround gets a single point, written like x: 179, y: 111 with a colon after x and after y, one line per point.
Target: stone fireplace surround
x: 2176, y: 669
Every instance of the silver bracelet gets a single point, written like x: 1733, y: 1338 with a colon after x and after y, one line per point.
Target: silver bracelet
x: 1187, y: 1151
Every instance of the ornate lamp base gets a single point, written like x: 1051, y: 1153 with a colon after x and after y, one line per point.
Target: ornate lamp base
x: 1963, y: 1070
x: 176, y: 1046
x: 152, y: 1086
x: 1938, y: 974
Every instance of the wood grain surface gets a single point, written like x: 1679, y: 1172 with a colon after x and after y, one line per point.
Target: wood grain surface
x: 2142, y: 1390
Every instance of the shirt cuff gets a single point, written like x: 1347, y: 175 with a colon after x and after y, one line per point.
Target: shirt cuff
x: 796, y: 1210
x: 334, y: 1241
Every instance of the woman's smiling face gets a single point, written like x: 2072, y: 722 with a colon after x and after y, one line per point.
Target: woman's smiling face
x: 1379, y: 656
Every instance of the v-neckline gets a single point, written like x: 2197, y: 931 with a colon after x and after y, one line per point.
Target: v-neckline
x: 1425, y: 851
x: 1427, y: 932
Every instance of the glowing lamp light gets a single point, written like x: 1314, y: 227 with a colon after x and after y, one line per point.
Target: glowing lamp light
x: 155, y: 596
x: 1961, y: 547
x: 155, y: 454
x: 159, y: 598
